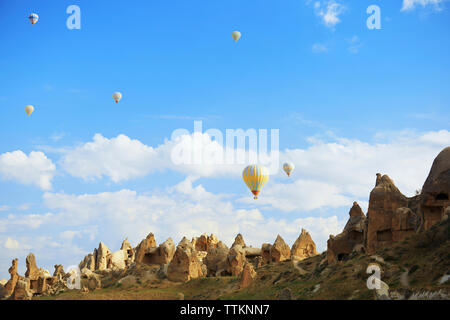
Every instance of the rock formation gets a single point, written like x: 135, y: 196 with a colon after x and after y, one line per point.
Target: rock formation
x: 11, y: 284
x: 90, y: 280
x: 148, y: 253
x: 265, y: 253
x: 392, y: 216
x: 145, y: 247
x: 59, y: 272
x: 279, y: 251
x: 166, y: 251
x: 384, y: 201
x: 117, y: 260
x: 120, y: 259
x: 32, y: 270
x: 205, y: 242
x: 247, y: 276
x: 35, y: 281
x: 303, y: 247
x: 185, y: 264
x: 240, y: 254
x: 88, y: 261
x: 239, y: 240
x: 436, y: 190
x: 38, y: 279
x: 129, y: 252
x: 351, y: 239
x: 236, y: 260
x: 216, y: 260
x: 22, y: 290
x: 101, y: 260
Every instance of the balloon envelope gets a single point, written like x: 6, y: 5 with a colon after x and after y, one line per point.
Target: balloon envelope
x: 33, y: 18
x: 236, y: 35
x: 288, y: 167
x: 117, y: 96
x: 255, y: 177
x: 29, y: 109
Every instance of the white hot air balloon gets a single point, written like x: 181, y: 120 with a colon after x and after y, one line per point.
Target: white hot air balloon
x: 33, y: 18
x: 29, y: 109
x: 117, y: 96
x: 236, y: 35
x: 288, y: 167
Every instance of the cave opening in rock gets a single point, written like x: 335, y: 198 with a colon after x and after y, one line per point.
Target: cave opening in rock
x: 442, y: 196
x: 342, y: 256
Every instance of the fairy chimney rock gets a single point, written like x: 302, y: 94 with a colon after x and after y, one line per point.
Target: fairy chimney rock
x: 303, y: 247
x: 239, y: 240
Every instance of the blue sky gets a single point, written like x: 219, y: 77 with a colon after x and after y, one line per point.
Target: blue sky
x: 348, y: 101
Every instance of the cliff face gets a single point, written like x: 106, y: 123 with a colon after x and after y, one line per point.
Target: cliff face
x: 389, y: 217
x: 436, y: 190
x: 392, y: 216
x: 351, y: 239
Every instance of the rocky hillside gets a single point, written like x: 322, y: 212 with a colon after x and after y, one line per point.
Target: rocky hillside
x: 407, y: 239
x: 414, y: 268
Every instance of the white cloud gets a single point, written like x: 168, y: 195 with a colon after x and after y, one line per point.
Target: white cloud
x: 68, y: 235
x: 34, y: 169
x: 24, y: 221
x: 183, y: 210
x: 122, y: 158
x: 319, y: 48
x: 354, y: 45
x: 24, y: 206
x: 11, y: 244
x: 329, y: 12
x: 56, y: 136
x: 351, y: 165
x: 409, y: 5
x: 119, y: 158
x: 302, y: 195
x: 344, y: 168
x: 46, y: 249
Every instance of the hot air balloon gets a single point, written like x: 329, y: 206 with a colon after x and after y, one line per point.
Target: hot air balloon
x: 117, y: 96
x: 288, y: 167
x: 236, y: 35
x: 33, y: 18
x: 255, y: 177
x: 29, y: 109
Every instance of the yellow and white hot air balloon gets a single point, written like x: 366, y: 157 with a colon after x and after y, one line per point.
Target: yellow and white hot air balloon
x: 117, y: 96
x: 255, y: 177
x: 236, y: 35
x: 29, y: 109
x: 288, y: 167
